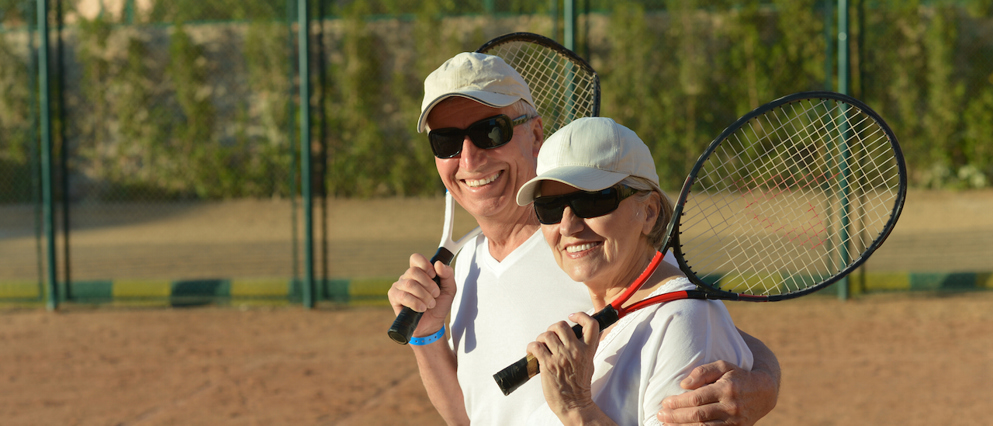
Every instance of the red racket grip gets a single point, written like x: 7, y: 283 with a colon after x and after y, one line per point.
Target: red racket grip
x: 518, y: 373
x: 403, y: 326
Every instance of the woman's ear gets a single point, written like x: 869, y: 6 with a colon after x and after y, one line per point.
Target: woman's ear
x: 653, y: 206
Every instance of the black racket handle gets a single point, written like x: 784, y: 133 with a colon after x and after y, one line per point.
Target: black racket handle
x: 403, y: 327
x: 518, y: 373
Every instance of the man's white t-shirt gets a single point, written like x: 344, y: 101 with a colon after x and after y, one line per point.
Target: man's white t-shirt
x: 522, y: 296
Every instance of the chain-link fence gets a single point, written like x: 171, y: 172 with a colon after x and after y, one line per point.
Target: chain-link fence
x: 20, y: 184
x: 175, y: 123
x: 172, y: 126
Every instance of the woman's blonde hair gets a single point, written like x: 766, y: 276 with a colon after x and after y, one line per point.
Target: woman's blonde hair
x: 657, y: 233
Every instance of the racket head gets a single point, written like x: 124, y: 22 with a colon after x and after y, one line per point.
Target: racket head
x: 563, y: 85
x: 789, y: 199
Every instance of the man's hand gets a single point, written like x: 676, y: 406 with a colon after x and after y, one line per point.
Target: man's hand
x: 416, y: 288
x: 722, y: 394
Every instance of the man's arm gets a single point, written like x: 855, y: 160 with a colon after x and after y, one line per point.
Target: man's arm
x: 436, y: 361
x: 721, y: 391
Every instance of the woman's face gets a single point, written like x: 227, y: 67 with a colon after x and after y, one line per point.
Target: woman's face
x: 605, y: 251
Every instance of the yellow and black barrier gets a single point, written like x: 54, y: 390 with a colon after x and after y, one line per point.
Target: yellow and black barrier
x: 372, y: 291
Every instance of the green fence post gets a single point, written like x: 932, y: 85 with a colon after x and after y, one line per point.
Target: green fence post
x: 828, y: 44
x: 35, y: 154
x: 63, y: 150
x: 322, y: 156
x: 303, y: 34
x: 555, y: 19
x: 569, y: 24
x: 291, y: 140
x: 843, y: 88
x: 46, y: 151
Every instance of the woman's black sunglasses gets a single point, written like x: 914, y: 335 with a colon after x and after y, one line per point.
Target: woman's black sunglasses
x: 584, y: 204
x: 487, y: 133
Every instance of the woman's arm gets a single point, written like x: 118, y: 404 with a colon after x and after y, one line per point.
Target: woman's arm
x: 721, y: 391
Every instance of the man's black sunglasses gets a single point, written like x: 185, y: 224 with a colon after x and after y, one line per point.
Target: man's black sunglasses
x: 487, y: 133
x: 584, y: 204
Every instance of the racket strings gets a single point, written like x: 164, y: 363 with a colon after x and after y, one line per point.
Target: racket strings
x: 562, y: 89
x: 725, y: 207
x: 866, y: 175
x: 794, y: 195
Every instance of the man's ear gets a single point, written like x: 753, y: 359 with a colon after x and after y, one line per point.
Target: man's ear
x: 538, y: 132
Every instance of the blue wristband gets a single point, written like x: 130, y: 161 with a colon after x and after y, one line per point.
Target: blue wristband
x: 426, y: 340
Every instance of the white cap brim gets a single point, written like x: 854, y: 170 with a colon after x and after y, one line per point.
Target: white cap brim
x: 584, y: 178
x: 494, y: 100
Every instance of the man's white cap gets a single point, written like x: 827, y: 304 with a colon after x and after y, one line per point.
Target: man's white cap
x: 486, y: 79
x: 591, y: 154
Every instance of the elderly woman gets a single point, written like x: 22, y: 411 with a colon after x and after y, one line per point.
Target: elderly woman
x: 603, y: 215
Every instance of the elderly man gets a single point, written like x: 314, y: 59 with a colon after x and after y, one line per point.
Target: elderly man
x: 506, y: 288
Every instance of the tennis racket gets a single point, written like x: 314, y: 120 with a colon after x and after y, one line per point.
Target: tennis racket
x: 563, y: 85
x: 789, y: 199
x: 405, y: 323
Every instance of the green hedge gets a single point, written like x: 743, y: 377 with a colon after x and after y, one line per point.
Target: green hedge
x: 197, y: 100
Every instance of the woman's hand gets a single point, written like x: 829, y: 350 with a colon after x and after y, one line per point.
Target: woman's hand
x: 567, y: 367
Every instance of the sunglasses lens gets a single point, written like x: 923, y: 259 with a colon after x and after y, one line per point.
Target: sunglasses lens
x: 595, y: 204
x: 488, y: 133
x: 549, y: 210
x: 491, y: 133
x: 549, y: 213
x: 583, y: 204
x: 446, y: 143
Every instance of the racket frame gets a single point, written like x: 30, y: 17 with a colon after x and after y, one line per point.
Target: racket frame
x: 671, y: 239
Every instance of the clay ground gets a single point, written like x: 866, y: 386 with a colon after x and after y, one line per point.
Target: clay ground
x: 880, y: 359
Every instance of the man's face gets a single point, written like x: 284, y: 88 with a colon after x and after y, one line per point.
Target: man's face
x: 485, y: 181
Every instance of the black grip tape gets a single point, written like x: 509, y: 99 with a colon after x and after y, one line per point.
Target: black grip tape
x: 404, y: 325
x: 512, y: 377
x: 516, y: 374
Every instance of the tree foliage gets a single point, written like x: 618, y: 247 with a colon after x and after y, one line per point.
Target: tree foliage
x: 194, y: 99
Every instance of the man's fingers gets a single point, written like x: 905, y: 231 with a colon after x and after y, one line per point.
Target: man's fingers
x: 709, y: 414
x: 418, y: 261
x: 442, y: 270
x: 706, y: 374
x: 416, y: 287
x: 693, y: 399
x: 445, y: 273
x: 411, y: 294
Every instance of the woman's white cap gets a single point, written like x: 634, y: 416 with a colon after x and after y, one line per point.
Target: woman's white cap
x: 591, y: 154
x: 486, y: 79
